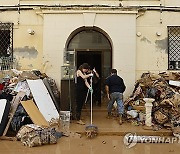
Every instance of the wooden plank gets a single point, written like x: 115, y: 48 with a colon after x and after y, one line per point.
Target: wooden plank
x: 8, y: 138
x: 34, y: 113
x: 14, y: 104
x: 43, y: 99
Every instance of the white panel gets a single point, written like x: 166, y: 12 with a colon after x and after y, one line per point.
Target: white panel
x: 43, y: 99
x: 174, y: 83
x: 2, y: 107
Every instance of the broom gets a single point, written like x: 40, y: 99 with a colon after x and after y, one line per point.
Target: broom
x: 91, y: 130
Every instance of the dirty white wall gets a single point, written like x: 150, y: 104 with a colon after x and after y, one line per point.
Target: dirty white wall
x: 152, y: 49
x: 27, y: 48
x: 120, y: 28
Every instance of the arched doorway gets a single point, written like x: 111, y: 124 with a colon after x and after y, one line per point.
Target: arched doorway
x: 92, y: 46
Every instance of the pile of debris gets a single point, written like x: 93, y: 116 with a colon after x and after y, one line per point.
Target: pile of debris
x: 165, y: 89
x: 28, y: 97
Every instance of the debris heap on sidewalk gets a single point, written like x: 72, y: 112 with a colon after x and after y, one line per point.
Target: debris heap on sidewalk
x: 165, y: 89
x: 33, y: 135
x: 33, y: 98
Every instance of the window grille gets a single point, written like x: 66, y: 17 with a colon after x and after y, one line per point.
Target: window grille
x: 7, y: 63
x: 174, y: 47
x: 6, y: 46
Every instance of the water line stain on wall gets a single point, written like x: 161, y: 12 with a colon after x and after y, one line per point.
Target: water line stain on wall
x: 26, y: 52
x: 162, y: 44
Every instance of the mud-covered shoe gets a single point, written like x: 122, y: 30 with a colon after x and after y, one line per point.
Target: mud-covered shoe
x: 120, y: 119
x: 80, y: 122
x: 109, y: 116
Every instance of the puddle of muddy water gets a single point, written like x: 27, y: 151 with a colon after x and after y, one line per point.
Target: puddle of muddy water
x: 98, y: 145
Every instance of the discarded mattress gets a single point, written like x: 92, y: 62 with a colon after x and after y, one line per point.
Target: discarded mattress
x: 4, y: 112
x: 43, y: 99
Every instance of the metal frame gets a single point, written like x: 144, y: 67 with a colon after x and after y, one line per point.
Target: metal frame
x: 6, y: 46
x: 173, y: 47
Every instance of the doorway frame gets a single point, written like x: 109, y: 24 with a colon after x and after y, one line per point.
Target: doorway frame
x: 99, y: 30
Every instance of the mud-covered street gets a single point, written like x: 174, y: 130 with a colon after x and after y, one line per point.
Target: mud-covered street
x: 101, y: 144
x: 55, y: 132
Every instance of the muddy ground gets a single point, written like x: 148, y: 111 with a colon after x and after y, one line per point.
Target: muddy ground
x: 98, y: 145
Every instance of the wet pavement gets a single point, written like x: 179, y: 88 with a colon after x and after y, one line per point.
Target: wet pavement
x: 100, y: 144
x: 111, y: 126
x: 109, y: 139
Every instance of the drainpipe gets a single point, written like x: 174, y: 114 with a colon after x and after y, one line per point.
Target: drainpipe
x: 161, y: 11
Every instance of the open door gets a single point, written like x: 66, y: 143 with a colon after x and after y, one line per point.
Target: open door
x: 94, y: 59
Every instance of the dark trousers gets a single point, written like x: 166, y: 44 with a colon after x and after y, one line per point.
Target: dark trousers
x: 97, y: 93
x: 80, y: 99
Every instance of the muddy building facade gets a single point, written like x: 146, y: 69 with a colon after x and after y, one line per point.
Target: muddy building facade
x: 131, y: 36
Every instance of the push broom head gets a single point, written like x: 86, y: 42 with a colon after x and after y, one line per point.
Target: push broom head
x: 91, y: 131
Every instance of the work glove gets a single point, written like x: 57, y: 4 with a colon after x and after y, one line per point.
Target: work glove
x: 91, y: 89
x: 94, y: 70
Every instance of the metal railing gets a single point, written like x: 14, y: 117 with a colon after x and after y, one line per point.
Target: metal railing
x: 7, y: 63
x: 174, y: 47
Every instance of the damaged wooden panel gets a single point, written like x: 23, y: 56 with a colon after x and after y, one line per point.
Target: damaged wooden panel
x: 14, y: 105
x: 34, y: 113
x: 43, y: 99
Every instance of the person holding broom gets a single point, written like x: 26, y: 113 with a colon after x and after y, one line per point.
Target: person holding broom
x: 114, y: 86
x: 81, y: 89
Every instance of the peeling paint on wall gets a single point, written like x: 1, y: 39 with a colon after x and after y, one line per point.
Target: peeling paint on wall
x: 162, y: 44
x: 26, y: 52
x: 144, y: 39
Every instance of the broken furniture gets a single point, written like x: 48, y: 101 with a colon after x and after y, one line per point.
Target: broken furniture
x: 148, y: 106
x: 165, y: 90
x: 14, y: 104
x: 34, y: 113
